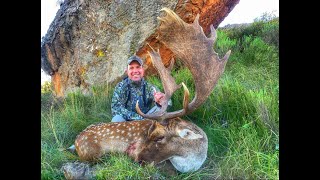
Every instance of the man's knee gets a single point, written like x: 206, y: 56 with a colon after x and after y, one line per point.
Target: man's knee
x: 118, y: 118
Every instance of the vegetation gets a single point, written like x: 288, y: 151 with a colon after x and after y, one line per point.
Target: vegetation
x: 240, y: 117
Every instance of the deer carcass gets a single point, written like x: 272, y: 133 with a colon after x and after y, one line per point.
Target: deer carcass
x: 165, y: 136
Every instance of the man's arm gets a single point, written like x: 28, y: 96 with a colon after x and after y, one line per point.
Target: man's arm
x: 156, y: 95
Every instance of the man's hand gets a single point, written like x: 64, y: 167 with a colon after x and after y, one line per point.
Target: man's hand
x: 158, y: 97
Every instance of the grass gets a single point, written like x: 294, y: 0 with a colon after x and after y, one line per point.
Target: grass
x: 119, y: 166
x: 240, y: 117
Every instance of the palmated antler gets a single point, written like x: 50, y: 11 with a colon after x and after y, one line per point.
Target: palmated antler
x: 189, y: 43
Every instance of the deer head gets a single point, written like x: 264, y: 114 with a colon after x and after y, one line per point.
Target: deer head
x: 177, y: 140
x: 189, y: 43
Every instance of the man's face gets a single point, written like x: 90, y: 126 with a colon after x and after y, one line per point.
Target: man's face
x: 135, y: 71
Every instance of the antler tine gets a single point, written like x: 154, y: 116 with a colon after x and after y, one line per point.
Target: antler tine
x: 165, y: 115
x: 189, y: 43
x: 169, y: 86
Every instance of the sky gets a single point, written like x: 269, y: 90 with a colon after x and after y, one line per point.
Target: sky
x: 244, y: 12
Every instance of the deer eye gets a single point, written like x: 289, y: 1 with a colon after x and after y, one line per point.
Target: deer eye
x: 158, y: 139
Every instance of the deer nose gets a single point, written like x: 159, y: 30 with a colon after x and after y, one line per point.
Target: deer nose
x: 140, y: 162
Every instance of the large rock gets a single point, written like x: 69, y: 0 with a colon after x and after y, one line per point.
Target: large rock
x: 78, y: 171
x: 88, y: 43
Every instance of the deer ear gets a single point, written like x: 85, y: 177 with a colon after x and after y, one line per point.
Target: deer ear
x: 188, y: 134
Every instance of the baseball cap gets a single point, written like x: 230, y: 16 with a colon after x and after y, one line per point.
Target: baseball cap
x: 135, y: 58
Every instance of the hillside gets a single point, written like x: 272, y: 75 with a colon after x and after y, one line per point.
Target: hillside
x: 240, y: 117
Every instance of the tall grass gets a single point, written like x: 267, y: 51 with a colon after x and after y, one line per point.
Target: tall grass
x: 120, y: 166
x: 240, y: 117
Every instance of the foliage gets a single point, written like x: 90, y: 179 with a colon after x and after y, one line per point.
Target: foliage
x: 266, y: 27
x: 120, y: 166
x: 224, y: 43
x: 46, y: 87
x: 240, y: 117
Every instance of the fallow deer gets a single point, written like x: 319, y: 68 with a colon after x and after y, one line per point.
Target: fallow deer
x: 163, y: 135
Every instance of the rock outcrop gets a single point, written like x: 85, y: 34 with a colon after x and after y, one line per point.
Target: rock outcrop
x: 88, y: 42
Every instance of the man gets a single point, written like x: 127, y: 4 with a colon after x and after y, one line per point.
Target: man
x: 131, y: 89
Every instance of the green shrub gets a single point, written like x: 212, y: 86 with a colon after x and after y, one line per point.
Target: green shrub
x: 224, y: 43
x: 46, y: 87
x: 266, y: 27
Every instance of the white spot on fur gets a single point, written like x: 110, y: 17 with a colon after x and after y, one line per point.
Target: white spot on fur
x: 111, y: 137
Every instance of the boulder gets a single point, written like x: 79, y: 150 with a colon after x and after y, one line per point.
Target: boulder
x: 88, y: 42
x: 77, y: 171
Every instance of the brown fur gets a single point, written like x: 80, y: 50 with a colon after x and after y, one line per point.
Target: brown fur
x: 144, y: 141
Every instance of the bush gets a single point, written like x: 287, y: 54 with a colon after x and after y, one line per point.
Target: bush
x: 265, y: 27
x: 46, y: 87
x: 224, y: 43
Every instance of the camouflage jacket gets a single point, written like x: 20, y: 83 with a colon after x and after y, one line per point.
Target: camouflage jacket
x: 126, y: 94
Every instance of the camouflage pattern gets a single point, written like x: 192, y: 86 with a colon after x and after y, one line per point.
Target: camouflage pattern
x: 134, y: 90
